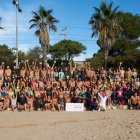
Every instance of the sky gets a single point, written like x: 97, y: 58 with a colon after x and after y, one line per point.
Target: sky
x: 72, y: 14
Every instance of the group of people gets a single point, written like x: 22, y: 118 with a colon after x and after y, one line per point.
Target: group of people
x: 37, y: 87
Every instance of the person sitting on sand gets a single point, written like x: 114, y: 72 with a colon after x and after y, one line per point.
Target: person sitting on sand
x: 134, y: 101
x: 29, y: 102
x: 1, y: 102
x: 6, y: 104
x: 21, y: 103
x: 93, y: 102
x: 13, y: 102
x: 61, y: 102
x: 3, y: 92
x: 47, y: 102
x: 39, y: 103
x: 67, y: 99
x: 55, y: 103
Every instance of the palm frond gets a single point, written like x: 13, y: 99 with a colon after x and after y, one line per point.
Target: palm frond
x: 51, y: 19
x: 55, y: 20
x: 92, y: 21
x: 94, y: 34
x: 97, y: 9
x: 103, y: 6
x: 115, y: 10
x: 37, y: 33
x: 33, y: 20
x: 35, y: 13
x: 53, y: 27
x: 110, y: 5
x: 48, y: 12
x: 42, y: 11
x: 112, y: 13
x: 97, y: 16
x: 33, y: 25
x: 36, y: 17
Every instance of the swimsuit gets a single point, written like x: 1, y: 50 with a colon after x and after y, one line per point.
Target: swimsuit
x: 13, y: 102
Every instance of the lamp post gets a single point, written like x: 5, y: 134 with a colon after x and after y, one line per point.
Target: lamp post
x: 16, y: 3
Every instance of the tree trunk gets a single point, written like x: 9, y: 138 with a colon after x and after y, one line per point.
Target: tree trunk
x: 44, y: 52
x: 106, y: 56
x: 44, y: 41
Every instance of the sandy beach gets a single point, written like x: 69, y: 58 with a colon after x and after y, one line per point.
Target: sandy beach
x: 111, y: 125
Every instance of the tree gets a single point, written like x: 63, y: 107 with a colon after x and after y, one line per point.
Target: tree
x: 130, y: 25
x: 125, y: 49
x: 21, y: 56
x: 106, y: 26
x: 6, y: 55
x: 97, y: 60
x: 44, y: 22
x: 66, y: 50
x: 34, y: 54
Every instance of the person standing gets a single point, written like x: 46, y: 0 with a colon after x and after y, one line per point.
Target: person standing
x: 1, y: 76
x: 8, y: 72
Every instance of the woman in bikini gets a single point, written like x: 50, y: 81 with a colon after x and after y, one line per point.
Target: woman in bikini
x: 6, y: 104
x: 48, y: 102
x: 13, y: 102
x: 30, y: 99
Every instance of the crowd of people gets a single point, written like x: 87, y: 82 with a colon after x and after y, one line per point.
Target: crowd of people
x: 37, y: 87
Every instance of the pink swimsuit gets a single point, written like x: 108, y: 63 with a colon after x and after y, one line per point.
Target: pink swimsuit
x: 120, y: 91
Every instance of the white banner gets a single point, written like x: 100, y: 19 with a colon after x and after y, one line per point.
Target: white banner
x: 76, y: 107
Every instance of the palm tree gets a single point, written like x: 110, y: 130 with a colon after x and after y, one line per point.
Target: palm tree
x: 43, y: 21
x: 106, y: 26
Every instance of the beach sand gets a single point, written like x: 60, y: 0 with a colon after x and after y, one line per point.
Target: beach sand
x: 110, y: 125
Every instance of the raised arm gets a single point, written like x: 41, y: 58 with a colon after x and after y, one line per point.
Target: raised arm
x: 34, y: 65
x: 47, y: 64
x: 75, y: 65
x: 86, y: 65
x: 28, y: 66
x: 53, y: 64
x: 25, y: 65
x: 3, y: 66
x: 16, y: 96
x: 120, y: 66
x: 70, y: 66
x: 109, y: 95
x: 100, y: 95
